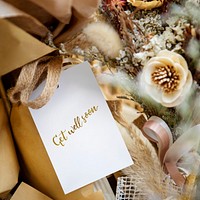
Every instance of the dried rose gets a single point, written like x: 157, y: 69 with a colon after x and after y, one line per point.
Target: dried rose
x: 166, y: 78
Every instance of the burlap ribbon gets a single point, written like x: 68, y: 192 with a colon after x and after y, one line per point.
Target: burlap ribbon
x: 48, y: 69
x: 22, y: 19
x: 29, y: 77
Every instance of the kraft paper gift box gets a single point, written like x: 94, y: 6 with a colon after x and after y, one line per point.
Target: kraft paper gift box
x: 9, y: 168
x: 25, y: 192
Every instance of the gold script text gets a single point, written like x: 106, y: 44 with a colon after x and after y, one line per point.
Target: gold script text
x: 60, y: 138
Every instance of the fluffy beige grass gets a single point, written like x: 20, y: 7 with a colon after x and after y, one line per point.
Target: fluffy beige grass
x: 104, y: 37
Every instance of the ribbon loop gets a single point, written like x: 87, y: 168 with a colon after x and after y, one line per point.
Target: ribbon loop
x: 187, y: 142
x: 29, y: 77
x: 156, y: 130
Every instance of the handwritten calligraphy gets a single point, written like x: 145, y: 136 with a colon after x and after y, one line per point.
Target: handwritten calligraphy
x: 79, y: 121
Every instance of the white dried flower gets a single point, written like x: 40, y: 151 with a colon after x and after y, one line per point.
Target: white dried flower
x: 166, y: 78
x: 140, y: 55
x: 104, y: 37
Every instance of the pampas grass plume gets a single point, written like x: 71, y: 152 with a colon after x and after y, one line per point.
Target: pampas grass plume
x: 104, y: 37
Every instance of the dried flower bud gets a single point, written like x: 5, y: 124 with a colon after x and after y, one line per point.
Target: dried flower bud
x: 147, y: 5
x: 166, y: 78
x: 104, y: 37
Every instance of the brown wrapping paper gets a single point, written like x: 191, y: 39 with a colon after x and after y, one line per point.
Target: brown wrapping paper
x: 64, y: 19
x: 85, y: 8
x: 64, y: 9
x: 26, y: 192
x: 35, y: 163
x: 82, y: 10
x: 95, y: 196
x: 59, y: 9
x: 18, y: 47
x: 32, y: 9
x: 21, y: 19
x: 9, y: 168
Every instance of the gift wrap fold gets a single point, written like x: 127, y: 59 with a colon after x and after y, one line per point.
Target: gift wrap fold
x: 35, y: 163
x: 25, y: 192
x: 9, y: 167
x: 14, y: 45
x: 26, y: 26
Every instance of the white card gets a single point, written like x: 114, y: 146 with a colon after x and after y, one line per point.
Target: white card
x: 78, y: 130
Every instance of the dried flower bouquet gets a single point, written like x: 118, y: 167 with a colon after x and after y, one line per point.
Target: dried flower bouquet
x: 157, y: 72
x: 146, y: 57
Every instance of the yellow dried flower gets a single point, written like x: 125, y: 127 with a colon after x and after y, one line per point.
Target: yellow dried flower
x: 147, y: 5
x: 166, y: 78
